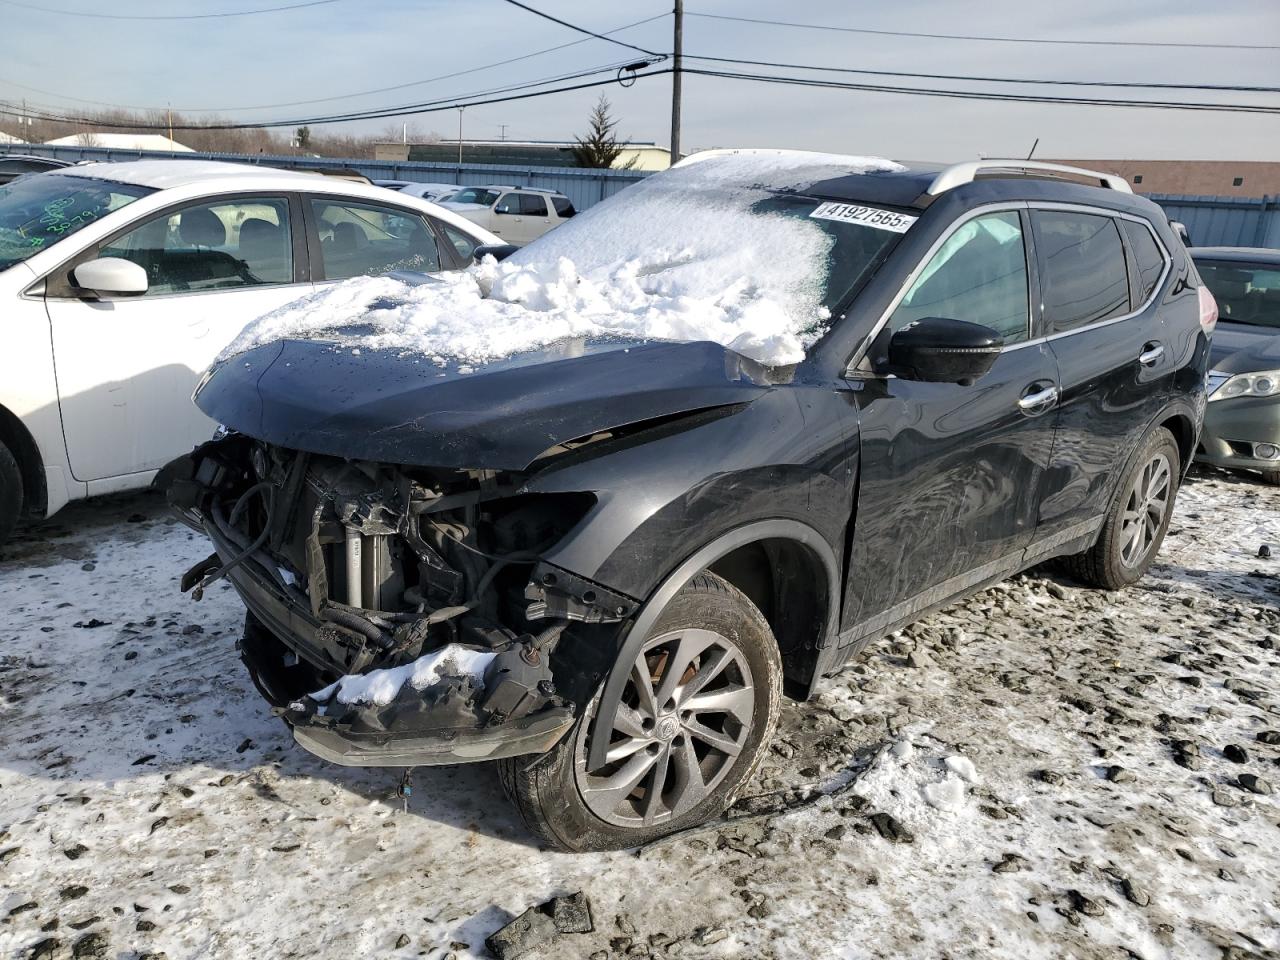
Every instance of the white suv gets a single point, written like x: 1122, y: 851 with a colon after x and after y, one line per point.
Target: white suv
x: 121, y: 282
x: 518, y: 215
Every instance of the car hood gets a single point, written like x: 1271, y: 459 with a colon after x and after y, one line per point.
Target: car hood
x: 393, y: 407
x: 1240, y: 348
x: 464, y: 208
x: 1230, y: 338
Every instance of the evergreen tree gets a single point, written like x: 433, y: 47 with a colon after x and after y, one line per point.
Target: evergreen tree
x: 601, y: 147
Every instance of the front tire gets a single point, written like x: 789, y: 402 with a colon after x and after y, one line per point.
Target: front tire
x: 11, y: 493
x: 699, y: 708
x: 1138, y: 519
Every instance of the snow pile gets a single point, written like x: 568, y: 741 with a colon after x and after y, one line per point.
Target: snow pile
x: 911, y: 781
x: 380, y: 687
x: 679, y: 256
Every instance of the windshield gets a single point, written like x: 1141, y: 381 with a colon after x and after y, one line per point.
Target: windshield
x: 36, y: 212
x: 737, y: 231
x: 475, y: 195
x: 1246, y: 293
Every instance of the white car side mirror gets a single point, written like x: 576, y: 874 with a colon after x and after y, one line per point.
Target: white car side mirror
x: 110, y: 275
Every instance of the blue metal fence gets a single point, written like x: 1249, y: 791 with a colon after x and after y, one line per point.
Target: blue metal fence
x: 583, y: 186
x: 1226, y: 221
x: 1211, y: 221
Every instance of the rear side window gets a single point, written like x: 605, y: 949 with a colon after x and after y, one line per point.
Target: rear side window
x: 465, y: 245
x: 532, y: 205
x: 564, y: 207
x: 1084, y: 276
x: 365, y: 239
x: 1147, y: 254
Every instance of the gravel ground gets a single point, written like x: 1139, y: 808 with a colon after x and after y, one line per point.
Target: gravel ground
x: 1040, y: 771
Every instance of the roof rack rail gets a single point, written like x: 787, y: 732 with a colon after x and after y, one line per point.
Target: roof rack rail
x: 962, y: 173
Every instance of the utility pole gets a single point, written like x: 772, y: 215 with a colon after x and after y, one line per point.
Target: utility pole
x: 460, y: 109
x: 169, y: 108
x: 675, y: 80
x: 502, y: 131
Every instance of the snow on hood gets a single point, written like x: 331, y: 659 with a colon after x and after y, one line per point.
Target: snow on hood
x: 678, y: 256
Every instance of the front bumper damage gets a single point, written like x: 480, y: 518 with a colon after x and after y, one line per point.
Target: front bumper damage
x: 399, y: 616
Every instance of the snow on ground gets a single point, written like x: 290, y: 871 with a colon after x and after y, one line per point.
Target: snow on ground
x: 679, y: 256
x: 1058, y: 774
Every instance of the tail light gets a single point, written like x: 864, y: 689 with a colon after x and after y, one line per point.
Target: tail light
x: 1208, y: 309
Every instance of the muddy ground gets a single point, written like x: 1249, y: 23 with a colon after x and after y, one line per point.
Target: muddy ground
x: 1040, y: 771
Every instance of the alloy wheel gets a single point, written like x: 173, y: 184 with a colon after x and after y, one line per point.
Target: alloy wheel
x: 684, y: 717
x: 1144, y: 513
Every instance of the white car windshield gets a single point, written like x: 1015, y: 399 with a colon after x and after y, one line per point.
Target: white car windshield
x: 36, y: 212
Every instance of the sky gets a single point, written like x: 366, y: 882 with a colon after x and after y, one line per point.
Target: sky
x: 60, y: 60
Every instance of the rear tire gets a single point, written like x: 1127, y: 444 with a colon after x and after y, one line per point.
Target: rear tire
x: 1271, y: 476
x: 1137, y: 520
x: 714, y: 676
x: 11, y: 493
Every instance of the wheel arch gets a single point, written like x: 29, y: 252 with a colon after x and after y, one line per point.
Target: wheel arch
x: 1183, y: 427
x: 736, y: 556
x: 23, y: 446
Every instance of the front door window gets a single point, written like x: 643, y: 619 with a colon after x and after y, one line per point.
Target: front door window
x: 212, y: 246
x: 979, y: 274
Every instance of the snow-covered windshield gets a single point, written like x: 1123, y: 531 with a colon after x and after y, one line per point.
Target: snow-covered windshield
x: 726, y: 248
x: 38, y: 211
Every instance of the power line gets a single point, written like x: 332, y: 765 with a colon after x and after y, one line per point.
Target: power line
x: 165, y: 16
x: 589, y: 33
x: 979, y: 79
x: 515, y: 92
x: 991, y: 95
x: 965, y: 36
x: 523, y: 93
x: 345, y: 96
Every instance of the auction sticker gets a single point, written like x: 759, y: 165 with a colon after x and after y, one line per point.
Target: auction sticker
x: 867, y: 216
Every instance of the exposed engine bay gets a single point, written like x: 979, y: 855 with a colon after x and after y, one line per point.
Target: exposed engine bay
x: 399, y: 615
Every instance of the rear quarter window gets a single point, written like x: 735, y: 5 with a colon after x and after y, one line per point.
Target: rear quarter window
x: 564, y: 207
x: 1147, y: 254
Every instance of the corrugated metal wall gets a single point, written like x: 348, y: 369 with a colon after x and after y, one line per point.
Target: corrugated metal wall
x: 584, y: 187
x: 1212, y: 221
x: 1226, y: 221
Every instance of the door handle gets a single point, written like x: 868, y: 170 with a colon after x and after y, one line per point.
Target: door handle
x: 1038, y: 402
x: 1151, y: 352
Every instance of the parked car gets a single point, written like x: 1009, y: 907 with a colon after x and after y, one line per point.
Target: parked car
x: 122, y: 281
x: 435, y: 192
x: 14, y: 165
x: 519, y: 215
x: 1242, y: 421
x: 602, y: 561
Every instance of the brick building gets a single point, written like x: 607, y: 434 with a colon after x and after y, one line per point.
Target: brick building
x: 1215, y: 178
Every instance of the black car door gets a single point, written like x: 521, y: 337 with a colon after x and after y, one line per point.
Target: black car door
x: 951, y: 473
x: 1114, y: 365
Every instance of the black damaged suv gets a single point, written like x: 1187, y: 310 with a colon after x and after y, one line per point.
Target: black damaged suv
x: 602, y: 562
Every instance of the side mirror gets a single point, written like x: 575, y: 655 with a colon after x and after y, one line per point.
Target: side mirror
x: 499, y: 251
x: 942, y: 350
x: 110, y: 275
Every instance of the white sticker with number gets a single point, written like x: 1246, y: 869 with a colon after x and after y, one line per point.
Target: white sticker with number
x: 867, y: 216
